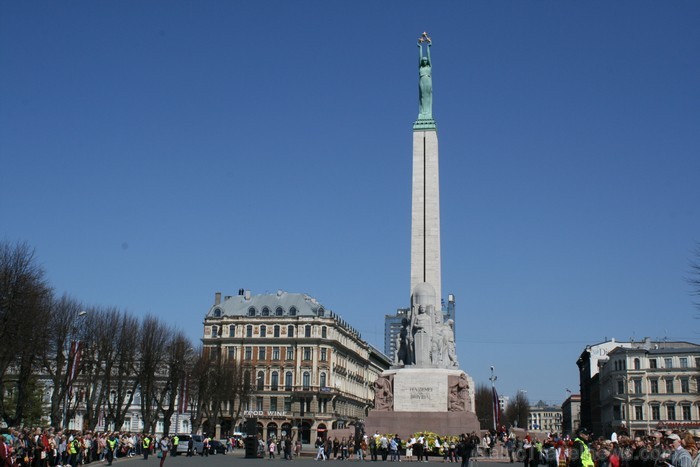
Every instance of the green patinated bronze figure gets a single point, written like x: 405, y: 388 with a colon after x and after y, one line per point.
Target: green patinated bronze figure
x: 425, y: 86
x: 425, y: 79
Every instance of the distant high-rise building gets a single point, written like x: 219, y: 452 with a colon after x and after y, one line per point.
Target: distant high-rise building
x: 392, y: 323
x: 392, y: 326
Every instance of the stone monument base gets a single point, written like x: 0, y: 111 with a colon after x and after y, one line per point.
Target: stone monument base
x: 407, y: 423
x: 414, y: 399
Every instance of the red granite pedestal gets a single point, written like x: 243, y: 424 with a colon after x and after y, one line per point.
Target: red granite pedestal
x: 406, y: 423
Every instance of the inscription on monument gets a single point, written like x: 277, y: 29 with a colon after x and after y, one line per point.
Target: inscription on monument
x: 425, y: 394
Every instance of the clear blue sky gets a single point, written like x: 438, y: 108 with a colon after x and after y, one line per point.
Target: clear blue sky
x: 154, y: 153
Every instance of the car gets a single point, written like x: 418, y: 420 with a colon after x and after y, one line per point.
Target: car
x: 216, y: 447
x: 197, y: 443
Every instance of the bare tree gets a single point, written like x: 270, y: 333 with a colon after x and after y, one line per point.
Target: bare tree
x: 62, y: 322
x: 122, y: 383
x: 177, y: 363
x: 25, y: 302
x: 518, y: 410
x: 98, y: 360
x: 219, y: 382
x: 483, y: 401
x: 152, y: 368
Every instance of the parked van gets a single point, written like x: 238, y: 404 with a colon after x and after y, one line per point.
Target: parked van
x: 197, y: 443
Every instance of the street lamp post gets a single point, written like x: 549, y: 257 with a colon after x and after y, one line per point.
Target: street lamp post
x: 69, y: 369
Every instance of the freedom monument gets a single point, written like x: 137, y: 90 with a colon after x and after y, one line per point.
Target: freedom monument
x: 424, y: 390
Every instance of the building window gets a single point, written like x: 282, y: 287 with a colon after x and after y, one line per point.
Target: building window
x: 246, y: 379
x: 652, y: 363
x: 248, y: 353
x: 668, y: 362
x: 637, y: 364
x: 275, y: 353
x: 217, y: 312
x: 655, y: 412
x: 306, y: 380
x: 287, y: 404
x: 671, y: 412
x: 258, y: 404
x: 263, y: 331
x: 276, y: 331
x: 323, y: 355
x: 307, y: 330
x: 684, y: 362
x: 685, y: 408
x: 273, y: 404
x: 321, y: 312
x: 249, y: 330
x: 669, y: 386
x: 324, y: 332
x: 290, y: 353
x: 654, y: 383
x: 307, y: 353
x: 261, y: 353
x: 251, y: 311
x: 638, y: 415
x: 697, y: 362
x: 288, y: 381
x: 231, y: 330
x: 620, y: 387
x: 322, y: 380
x: 214, y: 331
x: 637, y: 386
x: 260, y: 382
x: 279, y: 311
x: 231, y: 353
x: 290, y: 331
x: 274, y: 382
x: 292, y: 311
x: 265, y: 311
x: 685, y: 385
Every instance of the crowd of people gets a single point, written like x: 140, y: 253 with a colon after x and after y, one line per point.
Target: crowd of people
x: 668, y: 449
x: 62, y: 448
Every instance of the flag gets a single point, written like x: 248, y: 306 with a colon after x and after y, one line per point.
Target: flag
x: 73, y: 364
x: 182, y: 405
x: 496, y: 409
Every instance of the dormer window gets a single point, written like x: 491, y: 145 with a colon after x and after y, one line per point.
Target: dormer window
x: 279, y: 311
x: 292, y: 311
x: 266, y: 311
x: 251, y: 311
x: 217, y: 312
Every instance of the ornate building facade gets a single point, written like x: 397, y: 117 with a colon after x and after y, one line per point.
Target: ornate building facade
x: 650, y: 386
x: 309, y: 369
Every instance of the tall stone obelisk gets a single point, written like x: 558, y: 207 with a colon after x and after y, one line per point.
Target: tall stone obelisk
x: 425, y: 211
x: 425, y: 390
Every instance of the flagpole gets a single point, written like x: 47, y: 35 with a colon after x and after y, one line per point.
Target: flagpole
x: 494, y: 399
x: 70, y: 370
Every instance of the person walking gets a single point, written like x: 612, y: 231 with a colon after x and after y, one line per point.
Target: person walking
x: 321, y: 451
x: 164, y: 446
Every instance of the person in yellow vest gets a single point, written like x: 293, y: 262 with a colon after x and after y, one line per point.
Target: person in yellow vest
x: 580, y: 454
x: 73, y: 449
x: 146, y: 445
x: 175, y: 441
x: 111, y: 448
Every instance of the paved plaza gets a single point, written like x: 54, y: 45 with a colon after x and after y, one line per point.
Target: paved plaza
x: 238, y: 459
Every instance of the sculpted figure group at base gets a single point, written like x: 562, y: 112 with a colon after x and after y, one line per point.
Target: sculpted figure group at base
x: 425, y: 340
x: 383, y: 394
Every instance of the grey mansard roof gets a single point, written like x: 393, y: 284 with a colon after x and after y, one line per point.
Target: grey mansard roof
x: 290, y: 304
